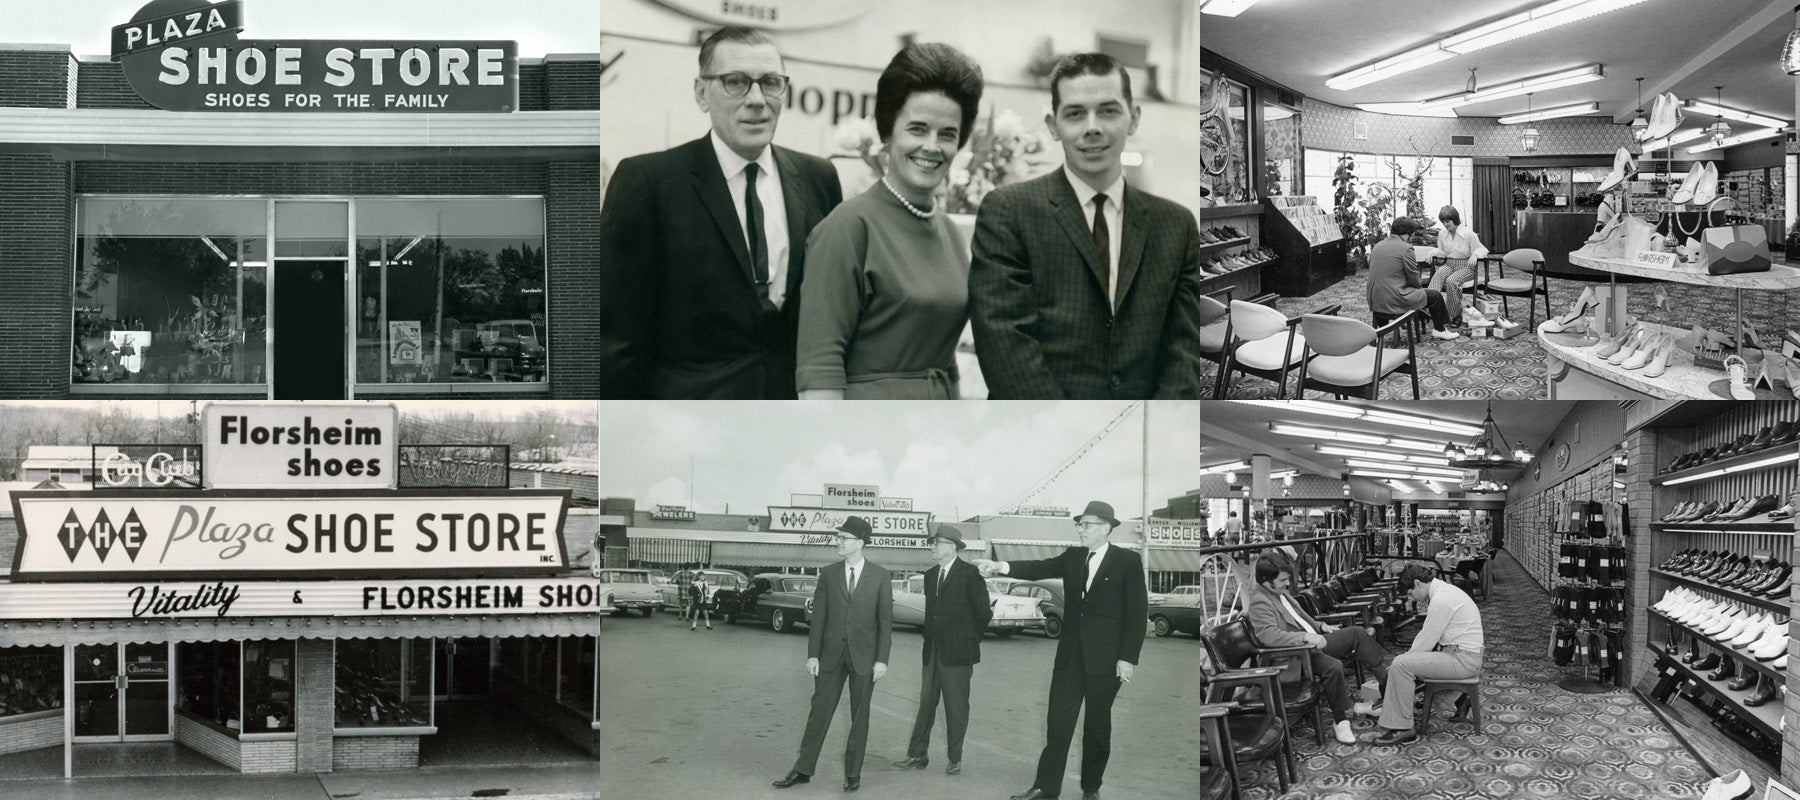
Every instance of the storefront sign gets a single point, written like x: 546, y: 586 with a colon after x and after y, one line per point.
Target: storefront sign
x: 268, y: 446
x: 889, y: 528
x: 1658, y: 259
x: 896, y: 504
x: 673, y: 513
x: 774, y: 15
x: 147, y: 466
x: 341, y: 598
x: 193, y: 61
x: 846, y: 495
x: 115, y: 534
x: 438, y: 466
x: 1176, y: 533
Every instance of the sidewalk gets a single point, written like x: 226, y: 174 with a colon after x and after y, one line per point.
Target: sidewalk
x: 557, y: 782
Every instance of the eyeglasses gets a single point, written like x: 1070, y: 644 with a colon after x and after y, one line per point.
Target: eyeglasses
x: 737, y: 84
x: 1093, y: 523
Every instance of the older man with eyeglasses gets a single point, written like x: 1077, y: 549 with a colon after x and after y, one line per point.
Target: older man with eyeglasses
x: 702, y: 245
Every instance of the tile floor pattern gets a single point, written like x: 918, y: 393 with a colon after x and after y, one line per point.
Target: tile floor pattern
x: 1538, y: 740
x: 1513, y: 369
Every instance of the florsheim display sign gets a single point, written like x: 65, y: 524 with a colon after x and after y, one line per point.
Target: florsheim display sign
x: 347, y: 598
x: 185, y: 55
x: 888, y: 528
x: 268, y: 446
x: 119, y: 534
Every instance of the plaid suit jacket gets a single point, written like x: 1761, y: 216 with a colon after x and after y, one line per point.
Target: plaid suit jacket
x: 1043, y: 326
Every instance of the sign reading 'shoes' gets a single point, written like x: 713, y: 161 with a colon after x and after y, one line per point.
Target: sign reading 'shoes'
x: 115, y: 534
x: 186, y: 56
x: 271, y: 446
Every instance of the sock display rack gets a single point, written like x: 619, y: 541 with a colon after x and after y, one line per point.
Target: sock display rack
x: 1722, y: 542
x: 1588, y: 602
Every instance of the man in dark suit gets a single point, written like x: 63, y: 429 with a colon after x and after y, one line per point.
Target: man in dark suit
x: 957, y: 610
x: 1278, y: 621
x: 848, y: 638
x: 702, y: 246
x: 1103, y: 632
x: 1070, y: 302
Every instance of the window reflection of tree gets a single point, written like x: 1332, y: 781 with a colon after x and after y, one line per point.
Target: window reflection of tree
x: 451, y: 285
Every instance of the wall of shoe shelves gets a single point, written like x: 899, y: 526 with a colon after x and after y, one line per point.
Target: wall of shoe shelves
x: 1531, y: 522
x: 1715, y: 603
x: 1227, y: 264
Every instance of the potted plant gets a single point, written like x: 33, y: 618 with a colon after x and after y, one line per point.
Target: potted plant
x: 1346, y: 211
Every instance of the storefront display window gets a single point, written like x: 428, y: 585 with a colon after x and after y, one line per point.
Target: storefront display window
x: 170, y: 291
x: 1225, y: 140
x: 269, y: 686
x: 208, y: 673
x: 450, y: 291
x: 30, y: 679
x: 578, y: 670
x: 384, y: 683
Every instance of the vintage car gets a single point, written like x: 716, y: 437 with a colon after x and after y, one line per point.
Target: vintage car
x: 1171, y: 617
x: 1049, y: 594
x: 779, y: 598
x: 716, y: 579
x: 631, y: 588
x: 1182, y: 596
x: 504, y: 349
x: 1011, y: 613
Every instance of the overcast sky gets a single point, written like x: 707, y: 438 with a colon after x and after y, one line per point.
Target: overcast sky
x: 955, y: 460
x: 539, y: 26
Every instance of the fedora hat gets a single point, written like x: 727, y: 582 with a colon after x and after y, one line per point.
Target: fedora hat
x: 857, y: 527
x: 948, y: 534
x: 1095, y: 508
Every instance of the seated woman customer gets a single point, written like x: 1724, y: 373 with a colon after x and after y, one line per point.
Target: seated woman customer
x: 885, y: 296
x: 1394, y: 287
x: 1460, y: 247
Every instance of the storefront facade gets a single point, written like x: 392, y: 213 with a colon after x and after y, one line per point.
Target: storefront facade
x: 429, y: 236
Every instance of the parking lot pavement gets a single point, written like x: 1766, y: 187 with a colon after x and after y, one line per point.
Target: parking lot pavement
x: 720, y: 713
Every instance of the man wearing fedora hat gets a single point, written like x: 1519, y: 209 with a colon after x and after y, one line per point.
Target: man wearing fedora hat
x: 957, y: 611
x: 1103, y: 632
x: 848, y: 639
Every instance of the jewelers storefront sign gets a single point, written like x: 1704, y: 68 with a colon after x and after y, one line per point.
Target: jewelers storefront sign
x: 234, y: 598
x: 114, y: 534
x: 184, y: 55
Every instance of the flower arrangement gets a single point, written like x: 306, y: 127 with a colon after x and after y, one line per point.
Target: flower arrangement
x: 1003, y: 150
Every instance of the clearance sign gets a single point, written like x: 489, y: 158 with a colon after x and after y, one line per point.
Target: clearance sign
x: 113, y: 534
x: 185, y: 55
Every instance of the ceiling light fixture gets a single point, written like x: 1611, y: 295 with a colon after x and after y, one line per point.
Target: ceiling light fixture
x: 1406, y: 110
x: 1438, y: 472
x: 1365, y: 473
x: 1343, y: 411
x: 1678, y: 137
x: 1228, y: 467
x: 1720, y: 129
x: 1488, y: 450
x: 1733, y: 141
x: 1528, y: 138
x: 1354, y: 438
x: 1225, y: 8
x: 1716, y: 110
x: 1552, y: 113
x: 1505, y: 29
x: 1555, y: 80
x: 1641, y: 122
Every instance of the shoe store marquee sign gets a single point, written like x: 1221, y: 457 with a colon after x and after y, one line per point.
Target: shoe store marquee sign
x: 113, y: 534
x: 1176, y: 533
x: 888, y: 528
x: 186, y: 56
x: 237, y: 599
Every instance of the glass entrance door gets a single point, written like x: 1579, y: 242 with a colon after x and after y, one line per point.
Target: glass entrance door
x: 462, y: 668
x: 121, y: 692
x: 310, y: 345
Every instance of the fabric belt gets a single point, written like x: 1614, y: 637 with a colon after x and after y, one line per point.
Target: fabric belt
x: 937, y: 377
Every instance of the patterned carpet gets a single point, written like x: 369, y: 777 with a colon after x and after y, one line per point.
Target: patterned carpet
x: 1513, y: 369
x: 1539, y: 741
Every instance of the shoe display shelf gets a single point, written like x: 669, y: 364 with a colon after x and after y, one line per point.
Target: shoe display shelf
x: 1244, y: 283
x: 1721, y: 539
x: 1306, y: 238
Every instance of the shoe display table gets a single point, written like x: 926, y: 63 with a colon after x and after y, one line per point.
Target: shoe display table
x: 1779, y: 276
x: 1577, y: 372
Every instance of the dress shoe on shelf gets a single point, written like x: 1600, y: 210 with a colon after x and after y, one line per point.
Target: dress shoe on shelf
x: 1710, y: 661
x: 1033, y: 793
x: 1685, y: 194
x: 852, y: 784
x: 1665, y: 116
x: 1611, y: 344
x: 1780, y: 663
x: 1659, y: 363
x: 1636, y: 340
x: 1708, y: 190
x: 955, y: 768
x: 1785, y: 431
x: 1640, y: 357
x: 792, y: 778
x: 916, y: 762
x: 1766, y: 690
x: 1567, y: 321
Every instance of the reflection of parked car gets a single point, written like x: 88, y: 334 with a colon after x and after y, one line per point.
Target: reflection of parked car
x: 1171, y: 617
x: 510, y: 349
x: 631, y: 588
x: 1049, y: 594
x: 780, y: 598
x: 1011, y: 613
x: 716, y: 579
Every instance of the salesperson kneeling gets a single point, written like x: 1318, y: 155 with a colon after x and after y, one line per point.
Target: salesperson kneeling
x: 1448, y: 647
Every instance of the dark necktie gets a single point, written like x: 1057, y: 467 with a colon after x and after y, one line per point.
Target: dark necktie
x: 753, y: 220
x: 853, y: 580
x: 1103, y: 240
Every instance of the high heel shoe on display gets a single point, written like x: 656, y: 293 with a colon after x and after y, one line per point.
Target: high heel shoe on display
x: 1644, y: 353
x: 1708, y: 190
x: 1624, y: 166
x: 1611, y: 344
x: 1566, y: 322
x: 1685, y: 193
x: 1660, y: 362
x: 1739, y: 373
x: 1636, y: 341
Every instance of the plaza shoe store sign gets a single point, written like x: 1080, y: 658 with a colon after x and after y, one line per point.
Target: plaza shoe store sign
x: 183, y: 55
x: 115, y: 534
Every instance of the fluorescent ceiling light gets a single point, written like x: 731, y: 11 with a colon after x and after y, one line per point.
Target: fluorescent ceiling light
x: 1552, y: 113
x: 1371, y: 414
x: 1678, y: 137
x: 1273, y: 113
x: 1555, y: 80
x: 1716, y: 110
x: 1357, y: 438
x: 1225, y: 8
x: 1733, y: 141
x: 1230, y: 467
x: 1446, y: 474
x: 1286, y: 473
x: 1381, y: 455
x: 1406, y: 110
x: 1505, y: 29
x: 1378, y: 474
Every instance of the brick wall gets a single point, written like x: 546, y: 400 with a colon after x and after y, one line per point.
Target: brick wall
x: 572, y: 85
x: 274, y: 756
x: 375, y: 752
x: 1641, y: 449
x: 573, y: 209
x: 31, y: 731
x: 315, y: 702
x: 203, y: 739
x: 531, y: 87
x: 544, y: 710
x: 298, y: 178
x: 35, y: 78
x: 37, y: 217
x: 102, y: 84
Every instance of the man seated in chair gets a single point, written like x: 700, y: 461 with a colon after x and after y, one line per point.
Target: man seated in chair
x: 1448, y: 647
x: 1277, y: 621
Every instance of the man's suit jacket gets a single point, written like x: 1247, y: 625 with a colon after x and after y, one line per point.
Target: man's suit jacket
x: 679, y: 317
x: 1043, y: 326
x: 1271, y: 623
x: 956, y: 615
x: 863, y: 623
x: 1106, y: 623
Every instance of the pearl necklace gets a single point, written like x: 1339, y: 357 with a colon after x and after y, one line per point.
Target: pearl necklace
x: 903, y: 201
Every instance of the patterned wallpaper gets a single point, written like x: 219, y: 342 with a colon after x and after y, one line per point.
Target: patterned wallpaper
x: 1331, y: 127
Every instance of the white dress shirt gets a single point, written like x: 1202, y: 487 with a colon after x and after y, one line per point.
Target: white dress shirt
x: 1095, y: 556
x: 1295, y: 613
x: 1451, y: 618
x: 1115, y: 225
x: 774, y: 221
x: 852, y: 572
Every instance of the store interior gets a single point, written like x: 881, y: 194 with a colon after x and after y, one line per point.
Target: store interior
x: 1630, y: 564
x: 1539, y: 122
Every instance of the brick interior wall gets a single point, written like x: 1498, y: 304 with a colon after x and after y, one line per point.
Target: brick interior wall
x: 31, y: 731
x: 203, y: 739
x: 315, y: 702
x: 375, y: 752
x: 37, y: 217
